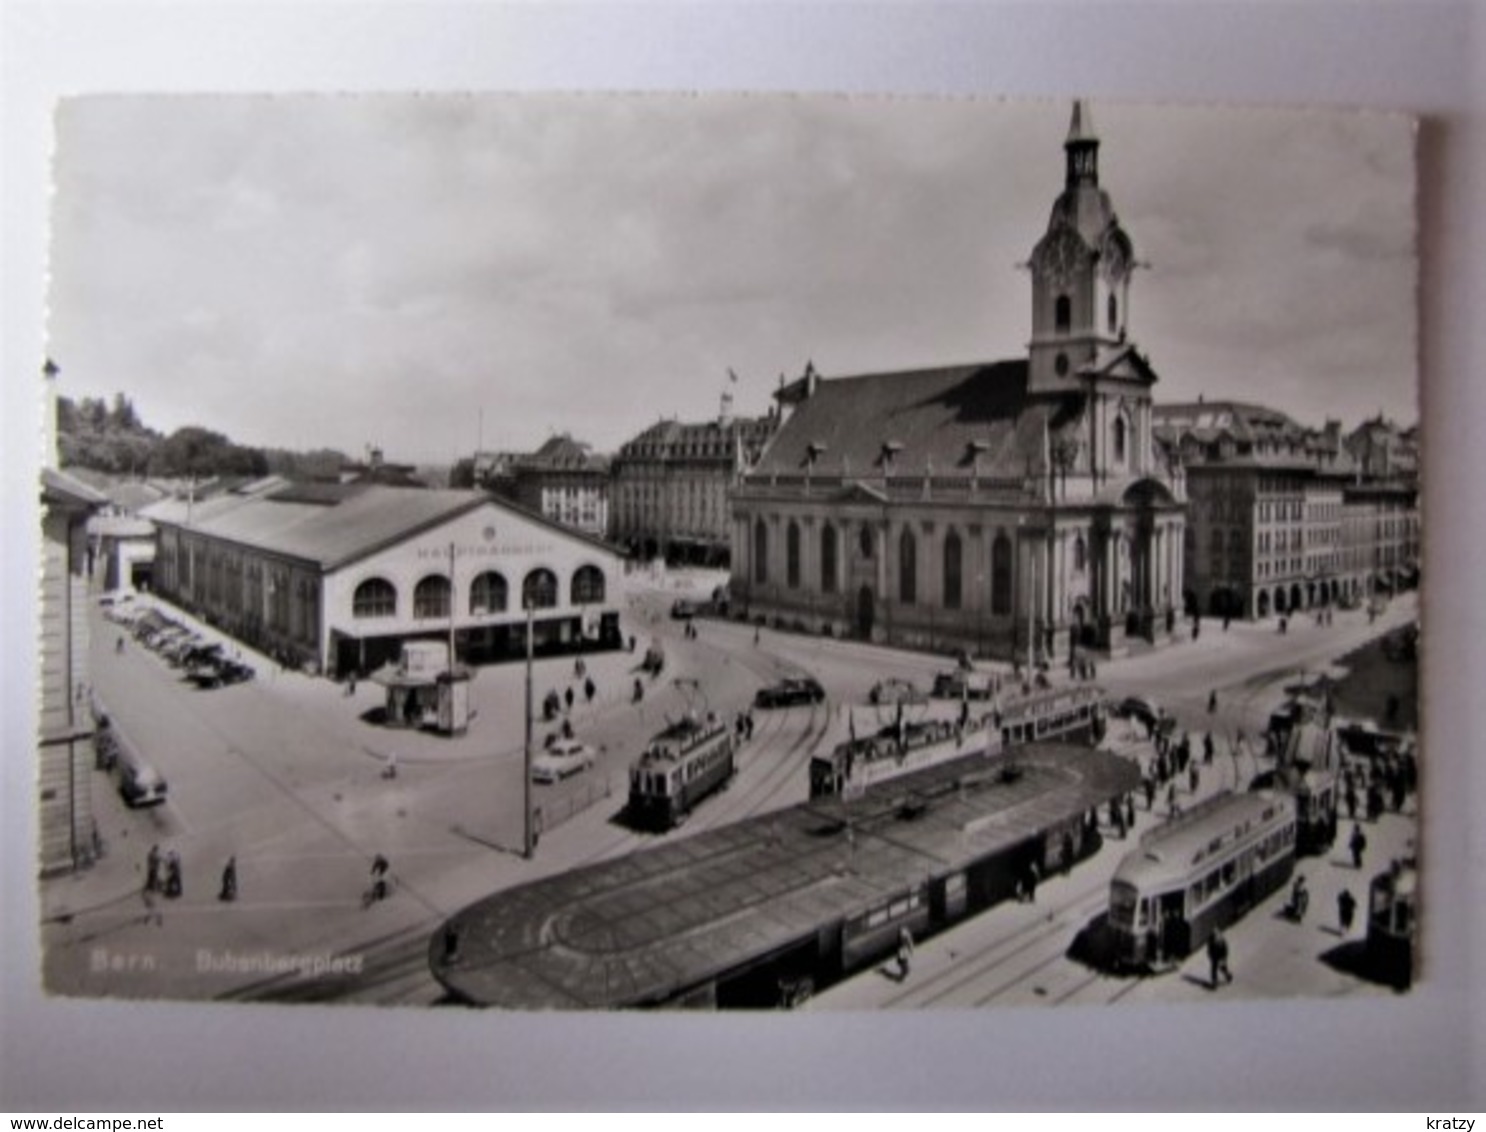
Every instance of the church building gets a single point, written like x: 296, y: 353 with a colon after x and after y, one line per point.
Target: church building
x: 1006, y: 508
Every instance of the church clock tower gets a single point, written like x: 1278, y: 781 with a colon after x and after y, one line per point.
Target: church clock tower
x: 1080, y: 272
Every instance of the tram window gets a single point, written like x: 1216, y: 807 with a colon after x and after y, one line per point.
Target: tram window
x: 1144, y: 915
x: 877, y: 918
x: 1230, y: 871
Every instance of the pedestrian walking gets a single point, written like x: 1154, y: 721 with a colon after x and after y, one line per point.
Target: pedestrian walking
x: 588, y: 689
x: 1208, y: 749
x: 1346, y: 908
x: 1034, y: 874
x: 174, y: 884
x: 1119, y: 818
x: 152, y: 913
x: 379, y: 870
x: 1171, y: 798
x: 580, y: 669
x: 1217, y: 959
x: 229, y: 880
x: 1193, y: 778
x: 152, y: 869
x: 905, y: 951
x: 568, y: 697
x: 1349, y: 796
x: 1358, y: 845
x: 748, y: 724
x: 351, y: 684
x: 1129, y: 812
x: 1150, y: 792
x: 1212, y: 702
x: 756, y: 632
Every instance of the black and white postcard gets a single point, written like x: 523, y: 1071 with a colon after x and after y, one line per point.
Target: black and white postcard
x: 589, y: 552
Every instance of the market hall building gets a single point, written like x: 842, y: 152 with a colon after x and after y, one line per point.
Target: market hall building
x: 335, y: 578
x: 1007, y: 508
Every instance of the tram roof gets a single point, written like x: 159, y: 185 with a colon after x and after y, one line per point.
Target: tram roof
x: 1176, y: 848
x: 641, y: 928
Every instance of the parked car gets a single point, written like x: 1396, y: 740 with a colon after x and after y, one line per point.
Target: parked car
x: 563, y: 757
x: 1146, y: 711
x: 897, y: 691
x: 139, y: 782
x: 791, y: 690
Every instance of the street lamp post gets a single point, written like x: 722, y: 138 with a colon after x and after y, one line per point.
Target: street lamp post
x: 528, y: 845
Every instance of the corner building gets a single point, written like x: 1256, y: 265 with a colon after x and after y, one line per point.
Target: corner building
x: 1008, y: 508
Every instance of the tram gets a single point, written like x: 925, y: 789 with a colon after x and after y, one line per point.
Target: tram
x: 1075, y: 712
x: 1056, y: 714
x: 1392, y: 919
x: 904, y: 745
x: 1198, y: 873
x: 682, y: 765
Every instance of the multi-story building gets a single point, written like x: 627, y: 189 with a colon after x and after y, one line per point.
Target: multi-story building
x: 65, y: 756
x: 1001, y: 507
x: 671, y: 485
x: 1282, y: 517
x: 563, y: 480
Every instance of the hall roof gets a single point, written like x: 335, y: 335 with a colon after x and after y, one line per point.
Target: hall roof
x: 976, y: 419
x: 332, y: 525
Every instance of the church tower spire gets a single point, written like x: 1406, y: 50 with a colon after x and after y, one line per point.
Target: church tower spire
x: 1080, y: 271
x: 1082, y: 149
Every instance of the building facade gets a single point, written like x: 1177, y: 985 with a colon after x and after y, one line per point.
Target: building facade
x: 1283, y: 517
x: 65, y: 756
x: 1015, y: 508
x: 671, y: 486
x: 336, y: 578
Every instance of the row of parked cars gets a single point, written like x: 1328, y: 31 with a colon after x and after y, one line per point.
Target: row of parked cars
x: 205, y: 663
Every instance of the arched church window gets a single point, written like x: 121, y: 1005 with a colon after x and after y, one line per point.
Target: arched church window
x: 792, y: 555
x: 1060, y: 365
x: 907, y: 567
x: 1063, y: 314
x: 1120, y: 430
x: 952, y: 571
x: 1001, y: 575
x: 760, y: 552
x: 828, y: 559
x: 865, y: 541
x: 1114, y: 313
x: 1080, y: 554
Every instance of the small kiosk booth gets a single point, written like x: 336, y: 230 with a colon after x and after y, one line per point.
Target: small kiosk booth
x: 425, y: 691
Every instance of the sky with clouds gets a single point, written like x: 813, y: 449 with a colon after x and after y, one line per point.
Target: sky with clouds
x: 427, y: 273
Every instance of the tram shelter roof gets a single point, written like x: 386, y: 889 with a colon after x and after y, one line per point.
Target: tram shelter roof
x: 643, y: 928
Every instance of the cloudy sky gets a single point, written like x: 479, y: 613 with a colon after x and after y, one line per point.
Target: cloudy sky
x: 425, y: 273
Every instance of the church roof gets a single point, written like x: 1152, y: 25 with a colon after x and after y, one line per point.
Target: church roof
x: 964, y: 420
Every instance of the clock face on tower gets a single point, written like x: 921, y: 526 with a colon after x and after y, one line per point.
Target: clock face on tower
x: 1062, y: 256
